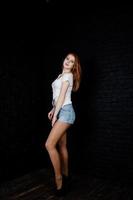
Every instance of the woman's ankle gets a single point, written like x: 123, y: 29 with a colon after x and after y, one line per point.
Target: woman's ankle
x: 58, y: 180
x: 65, y: 173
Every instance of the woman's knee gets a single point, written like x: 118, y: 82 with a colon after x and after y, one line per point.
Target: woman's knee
x: 49, y: 145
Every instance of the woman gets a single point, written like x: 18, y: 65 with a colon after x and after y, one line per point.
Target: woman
x: 62, y: 116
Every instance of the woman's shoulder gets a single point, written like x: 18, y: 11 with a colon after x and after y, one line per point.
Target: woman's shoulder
x: 68, y: 77
x: 65, y: 74
x: 60, y: 75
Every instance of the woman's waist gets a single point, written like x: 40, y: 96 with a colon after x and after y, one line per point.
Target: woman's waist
x: 66, y: 102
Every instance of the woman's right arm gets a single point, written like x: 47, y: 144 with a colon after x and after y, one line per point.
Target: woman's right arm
x: 51, y: 113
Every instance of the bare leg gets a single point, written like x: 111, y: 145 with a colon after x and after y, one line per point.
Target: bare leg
x: 56, y: 133
x: 63, y: 153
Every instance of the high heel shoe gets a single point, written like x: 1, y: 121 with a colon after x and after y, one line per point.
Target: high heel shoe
x: 61, y: 192
x: 66, y: 181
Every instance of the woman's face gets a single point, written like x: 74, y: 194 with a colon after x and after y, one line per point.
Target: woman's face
x: 69, y: 62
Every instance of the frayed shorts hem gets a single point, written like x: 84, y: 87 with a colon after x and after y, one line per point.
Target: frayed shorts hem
x: 61, y: 120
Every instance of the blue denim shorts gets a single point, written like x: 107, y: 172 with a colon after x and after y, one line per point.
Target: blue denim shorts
x: 67, y: 114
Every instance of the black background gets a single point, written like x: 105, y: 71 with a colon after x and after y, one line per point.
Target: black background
x: 100, y: 141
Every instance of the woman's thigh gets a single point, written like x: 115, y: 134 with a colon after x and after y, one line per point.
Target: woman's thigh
x: 57, y: 132
x: 63, y: 140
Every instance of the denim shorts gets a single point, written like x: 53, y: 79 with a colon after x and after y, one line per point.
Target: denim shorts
x: 67, y: 114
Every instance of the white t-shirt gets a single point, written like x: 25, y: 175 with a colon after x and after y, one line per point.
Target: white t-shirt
x: 56, y: 86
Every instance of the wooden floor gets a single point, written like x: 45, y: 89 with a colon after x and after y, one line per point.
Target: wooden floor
x: 39, y: 185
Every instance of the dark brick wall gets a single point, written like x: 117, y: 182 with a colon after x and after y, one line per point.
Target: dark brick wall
x: 110, y: 144
x: 100, y: 141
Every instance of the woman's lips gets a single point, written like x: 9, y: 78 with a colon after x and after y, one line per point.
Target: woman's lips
x: 66, y: 64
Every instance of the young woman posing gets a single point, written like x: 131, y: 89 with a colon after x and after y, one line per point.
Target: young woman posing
x: 62, y: 116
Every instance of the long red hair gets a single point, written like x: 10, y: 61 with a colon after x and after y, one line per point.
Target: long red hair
x: 76, y: 70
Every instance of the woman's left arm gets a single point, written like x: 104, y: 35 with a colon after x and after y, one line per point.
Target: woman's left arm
x: 60, y: 100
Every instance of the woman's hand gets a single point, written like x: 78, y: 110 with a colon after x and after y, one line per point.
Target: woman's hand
x: 50, y: 114
x: 54, y: 120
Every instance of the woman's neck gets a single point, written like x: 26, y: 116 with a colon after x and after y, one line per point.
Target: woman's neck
x: 66, y: 71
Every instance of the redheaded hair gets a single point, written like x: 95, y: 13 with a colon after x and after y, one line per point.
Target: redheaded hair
x: 76, y: 70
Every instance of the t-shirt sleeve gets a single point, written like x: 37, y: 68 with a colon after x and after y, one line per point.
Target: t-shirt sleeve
x: 67, y: 77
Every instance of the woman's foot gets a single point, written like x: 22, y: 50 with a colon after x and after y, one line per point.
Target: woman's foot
x: 60, y: 186
x: 66, y: 181
x: 59, y: 181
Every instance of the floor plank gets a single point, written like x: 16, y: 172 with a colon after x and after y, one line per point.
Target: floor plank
x: 39, y: 185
